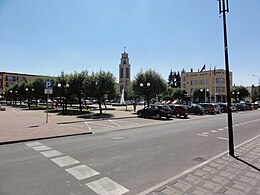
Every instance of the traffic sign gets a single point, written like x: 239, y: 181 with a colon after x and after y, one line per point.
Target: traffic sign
x: 48, y: 91
x: 48, y: 87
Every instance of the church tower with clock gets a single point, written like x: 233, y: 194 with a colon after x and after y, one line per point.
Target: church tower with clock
x: 124, y: 73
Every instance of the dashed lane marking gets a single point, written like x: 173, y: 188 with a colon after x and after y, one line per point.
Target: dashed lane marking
x: 220, y: 129
x: 202, y: 135
x: 31, y: 144
x: 214, y: 131
x: 106, y: 186
x: 65, y: 161
x: 41, y: 148
x: 51, y: 153
x: 223, y: 138
x: 82, y: 172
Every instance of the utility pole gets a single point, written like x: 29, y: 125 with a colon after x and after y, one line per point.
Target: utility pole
x: 223, y: 9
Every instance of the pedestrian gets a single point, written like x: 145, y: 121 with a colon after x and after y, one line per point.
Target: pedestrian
x: 134, y: 105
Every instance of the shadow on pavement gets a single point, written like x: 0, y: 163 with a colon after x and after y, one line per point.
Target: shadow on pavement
x: 247, y: 163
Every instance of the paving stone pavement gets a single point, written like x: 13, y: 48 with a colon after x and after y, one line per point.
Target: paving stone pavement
x: 223, y: 175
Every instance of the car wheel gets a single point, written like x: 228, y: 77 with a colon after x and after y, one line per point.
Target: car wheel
x: 158, y: 116
x: 140, y: 114
x: 185, y: 116
x: 168, y: 117
x: 178, y: 115
x: 206, y: 112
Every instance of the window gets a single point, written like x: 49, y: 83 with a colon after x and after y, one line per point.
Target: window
x: 20, y: 79
x: 127, y: 73
x: 121, y: 73
x: 193, y: 82
x: 10, y: 78
x: 203, y: 82
x: 220, y: 80
x: 220, y: 90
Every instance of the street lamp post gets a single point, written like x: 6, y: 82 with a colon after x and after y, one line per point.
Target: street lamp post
x: 223, y: 8
x: 11, y: 99
x: 29, y: 95
x: 63, y: 87
x: 206, y: 90
x: 142, y: 85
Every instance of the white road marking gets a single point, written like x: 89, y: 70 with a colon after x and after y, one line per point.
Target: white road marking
x: 114, y: 123
x: 220, y: 129
x: 223, y: 138
x: 88, y: 126
x: 41, y: 148
x: 65, y: 161
x: 51, y: 153
x: 31, y: 144
x: 203, y: 135
x: 214, y: 131
x: 106, y: 186
x: 104, y: 125
x: 82, y: 172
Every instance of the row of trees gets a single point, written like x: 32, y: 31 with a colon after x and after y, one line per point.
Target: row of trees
x: 102, y: 85
x: 98, y: 86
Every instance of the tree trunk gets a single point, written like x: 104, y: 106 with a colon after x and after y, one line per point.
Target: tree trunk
x: 100, y: 106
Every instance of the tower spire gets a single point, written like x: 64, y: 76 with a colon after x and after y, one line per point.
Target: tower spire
x: 124, y: 49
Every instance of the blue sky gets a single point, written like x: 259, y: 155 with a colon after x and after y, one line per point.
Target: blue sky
x: 49, y: 36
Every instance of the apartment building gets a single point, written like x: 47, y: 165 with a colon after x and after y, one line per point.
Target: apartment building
x: 211, y: 82
x: 8, y: 78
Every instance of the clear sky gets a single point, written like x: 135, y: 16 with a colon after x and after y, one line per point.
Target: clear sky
x: 49, y: 36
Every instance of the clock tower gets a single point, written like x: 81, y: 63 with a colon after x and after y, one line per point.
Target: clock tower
x: 124, y: 72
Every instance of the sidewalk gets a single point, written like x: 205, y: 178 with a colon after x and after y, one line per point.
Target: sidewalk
x: 222, y: 174
x: 18, y: 125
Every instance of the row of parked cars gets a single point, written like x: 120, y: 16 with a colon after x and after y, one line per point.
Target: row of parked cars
x: 168, y: 111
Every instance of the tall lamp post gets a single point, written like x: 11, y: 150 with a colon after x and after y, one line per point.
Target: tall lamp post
x: 206, y: 90
x: 63, y: 87
x: 223, y: 8
x: 236, y: 94
x: 142, y: 85
x: 29, y: 96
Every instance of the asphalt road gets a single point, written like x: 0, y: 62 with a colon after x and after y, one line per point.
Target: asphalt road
x: 129, y: 161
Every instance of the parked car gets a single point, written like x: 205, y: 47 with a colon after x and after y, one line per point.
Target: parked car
x: 224, y: 109
x: 240, y: 107
x: 209, y: 108
x: 196, y: 109
x: 156, y: 111
x: 179, y: 110
x: 217, y: 108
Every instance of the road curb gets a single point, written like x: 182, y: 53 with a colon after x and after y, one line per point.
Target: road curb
x: 42, y: 138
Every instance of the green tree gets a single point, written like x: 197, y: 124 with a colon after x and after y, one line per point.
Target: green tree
x: 199, y: 95
x: 174, y: 79
x: 38, y: 89
x: 76, y: 89
x: 239, y: 93
x: 149, y: 84
x: 99, y: 86
x: 179, y: 94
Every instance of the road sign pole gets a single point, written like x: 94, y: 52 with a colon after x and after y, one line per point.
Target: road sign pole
x: 47, y: 112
